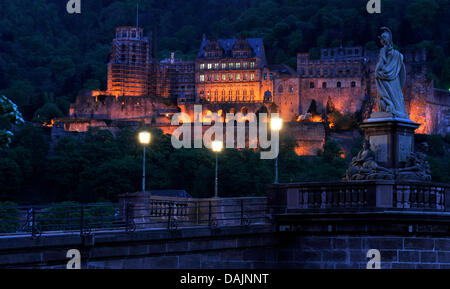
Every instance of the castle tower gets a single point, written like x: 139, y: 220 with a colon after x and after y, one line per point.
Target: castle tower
x: 130, y: 63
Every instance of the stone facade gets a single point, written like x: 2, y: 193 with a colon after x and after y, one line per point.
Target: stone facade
x: 337, y: 77
x: 231, y: 70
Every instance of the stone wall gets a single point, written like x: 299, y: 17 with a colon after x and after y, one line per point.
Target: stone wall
x: 253, y: 247
x: 349, y: 252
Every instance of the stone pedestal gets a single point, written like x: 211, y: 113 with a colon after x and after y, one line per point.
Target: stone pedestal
x: 391, y: 139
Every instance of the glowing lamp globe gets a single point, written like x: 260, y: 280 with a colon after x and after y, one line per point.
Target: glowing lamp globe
x: 217, y: 146
x: 144, y: 137
x: 276, y: 123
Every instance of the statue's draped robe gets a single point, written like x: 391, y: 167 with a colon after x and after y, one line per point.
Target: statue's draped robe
x: 390, y: 77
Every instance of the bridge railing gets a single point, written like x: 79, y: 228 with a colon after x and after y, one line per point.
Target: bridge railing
x: 155, y: 213
x: 359, y: 195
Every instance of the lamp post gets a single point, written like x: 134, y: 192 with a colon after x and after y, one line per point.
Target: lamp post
x: 217, y: 147
x: 144, y: 139
x: 275, y: 124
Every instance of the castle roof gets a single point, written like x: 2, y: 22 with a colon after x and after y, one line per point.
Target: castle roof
x: 256, y: 44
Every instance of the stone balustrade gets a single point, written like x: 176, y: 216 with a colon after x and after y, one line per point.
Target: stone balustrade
x: 358, y: 195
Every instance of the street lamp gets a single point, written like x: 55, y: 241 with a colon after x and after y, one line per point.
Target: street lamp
x: 276, y: 124
x: 144, y: 139
x: 217, y: 147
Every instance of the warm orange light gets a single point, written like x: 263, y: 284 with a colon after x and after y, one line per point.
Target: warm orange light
x: 276, y: 123
x: 144, y: 137
x: 217, y: 146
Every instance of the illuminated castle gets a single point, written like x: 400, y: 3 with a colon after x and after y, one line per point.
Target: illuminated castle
x: 232, y: 75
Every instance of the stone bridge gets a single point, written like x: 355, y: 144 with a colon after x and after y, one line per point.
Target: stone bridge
x: 323, y: 225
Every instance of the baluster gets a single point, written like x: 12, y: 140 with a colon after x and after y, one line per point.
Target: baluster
x: 414, y: 197
x: 432, y: 197
x: 439, y: 199
x: 406, y: 197
x: 305, y: 197
x: 399, y: 194
x: 426, y: 196
x: 348, y: 196
x: 324, y: 197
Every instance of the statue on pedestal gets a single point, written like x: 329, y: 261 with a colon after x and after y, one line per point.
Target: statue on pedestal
x: 390, y: 77
x: 416, y: 167
x: 364, y: 167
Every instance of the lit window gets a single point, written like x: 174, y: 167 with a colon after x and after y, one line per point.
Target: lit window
x: 265, y: 76
x: 217, y: 77
x: 216, y: 66
x: 209, y: 65
x: 202, y: 66
x: 224, y: 65
x: 252, y: 76
x: 231, y: 65
x: 238, y: 65
x: 252, y: 65
x: 271, y: 76
x: 224, y: 77
x: 238, y: 77
x: 202, y: 77
x: 245, y: 65
x: 230, y: 76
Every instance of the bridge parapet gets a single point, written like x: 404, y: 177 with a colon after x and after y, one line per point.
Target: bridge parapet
x: 146, y: 210
x: 359, y: 195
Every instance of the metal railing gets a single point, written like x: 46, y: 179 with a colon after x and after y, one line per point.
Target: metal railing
x: 35, y: 221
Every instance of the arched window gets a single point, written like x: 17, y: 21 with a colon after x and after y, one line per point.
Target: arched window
x: 353, y: 84
x: 280, y: 89
x: 338, y: 84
